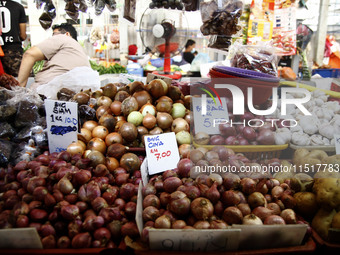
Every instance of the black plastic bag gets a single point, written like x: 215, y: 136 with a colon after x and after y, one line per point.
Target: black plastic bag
x: 99, y: 7
x: 27, y: 114
x: 110, y: 5
x: 6, y: 130
x: 72, y: 10
x: 82, y: 6
x: 6, y: 148
x: 50, y: 9
x: 45, y: 20
x: 219, y: 42
x: 86, y: 113
x: 39, y: 3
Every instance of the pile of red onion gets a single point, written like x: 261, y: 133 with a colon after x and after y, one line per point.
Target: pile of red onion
x: 71, y: 203
x: 259, y: 133
x: 173, y: 200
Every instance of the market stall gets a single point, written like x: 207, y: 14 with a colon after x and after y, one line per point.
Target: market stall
x: 245, y: 161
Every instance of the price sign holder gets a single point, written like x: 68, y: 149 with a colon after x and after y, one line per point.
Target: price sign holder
x: 62, y: 124
x: 20, y: 238
x: 337, y: 144
x: 215, y: 113
x: 151, y: 77
x: 162, y: 152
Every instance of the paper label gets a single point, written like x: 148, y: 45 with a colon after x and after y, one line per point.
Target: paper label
x: 20, y: 238
x: 151, y: 77
x: 144, y: 171
x: 194, y: 240
x: 139, y: 209
x: 207, y: 117
x: 62, y: 124
x: 337, y: 143
x: 162, y: 152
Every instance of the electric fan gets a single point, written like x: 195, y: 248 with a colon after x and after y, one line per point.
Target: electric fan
x: 164, y: 32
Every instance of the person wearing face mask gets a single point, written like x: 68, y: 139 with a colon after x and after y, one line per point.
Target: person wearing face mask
x: 188, y: 54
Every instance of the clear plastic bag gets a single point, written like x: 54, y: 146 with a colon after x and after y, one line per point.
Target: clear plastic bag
x: 221, y: 17
x: 220, y: 42
x: 261, y: 58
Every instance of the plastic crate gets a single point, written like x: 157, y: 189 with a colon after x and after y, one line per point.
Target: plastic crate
x: 328, y: 73
x: 258, y: 152
x: 324, y: 246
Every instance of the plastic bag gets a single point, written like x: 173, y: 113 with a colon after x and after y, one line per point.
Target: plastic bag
x: 221, y: 20
x: 6, y: 130
x: 221, y: 42
x: 45, y: 20
x: 201, y: 58
x: 8, y: 81
x: 191, y: 5
x: 72, y: 10
x: 39, y: 3
x: 6, y: 148
x: 65, y: 94
x: 86, y: 113
x: 99, y: 6
x: 50, y: 9
x: 77, y: 79
x: 260, y: 58
x: 110, y: 5
x: 82, y: 6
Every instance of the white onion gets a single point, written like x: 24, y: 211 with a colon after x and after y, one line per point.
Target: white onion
x: 178, y: 110
x: 183, y: 137
x: 136, y: 118
x: 179, y: 124
x: 251, y: 219
x: 148, y: 108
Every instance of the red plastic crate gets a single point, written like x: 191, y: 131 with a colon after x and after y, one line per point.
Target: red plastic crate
x: 325, y: 246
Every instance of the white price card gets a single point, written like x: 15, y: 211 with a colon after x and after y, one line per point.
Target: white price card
x: 62, y: 124
x: 162, y: 152
x: 337, y: 143
x: 209, y: 113
x: 20, y: 238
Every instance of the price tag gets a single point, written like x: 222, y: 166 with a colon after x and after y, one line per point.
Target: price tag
x: 337, y: 143
x: 20, y: 238
x: 207, y: 116
x: 151, y: 77
x: 162, y: 152
x: 62, y: 124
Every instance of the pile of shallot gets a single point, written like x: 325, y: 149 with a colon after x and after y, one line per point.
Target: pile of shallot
x: 71, y: 201
x: 174, y: 200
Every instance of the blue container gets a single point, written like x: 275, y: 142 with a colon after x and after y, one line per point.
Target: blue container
x: 328, y: 73
x: 135, y: 71
x: 158, y: 62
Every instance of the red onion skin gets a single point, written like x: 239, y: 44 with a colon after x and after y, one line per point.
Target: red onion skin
x: 130, y: 229
x: 93, y: 222
x: 227, y: 130
x: 89, y: 191
x: 102, y: 234
x: 184, y: 166
x: 248, y: 186
x: 164, y: 198
x: 130, y: 209
x: 275, y: 207
x: 49, y: 200
x: 35, y: 225
x: 115, y: 228
x: 148, y: 189
x: 180, y: 207
x: 82, y: 176
x: 127, y: 191
x: 120, y: 203
x: 47, y: 230
x: 98, y: 203
x: 38, y: 215
x: 163, y: 222
x: 274, y: 220
x: 218, y: 209
x: 22, y: 221
x: 111, y: 213
x: 171, y: 184
x: 249, y: 133
x: 277, y: 192
x: 35, y: 182
x: 216, y: 140
x: 53, y: 216
x: 150, y: 213
x: 21, y: 208
x: 218, y: 224
x: 149, y: 224
x: 232, y: 215
x: 192, y: 192
x: 178, y: 224
x: 202, y: 224
x: 230, y: 198
x: 82, y: 240
x: 212, y: 194
x: 74, y: 228
x: 65, y: 186
x: 288, y: 201
x: 22, y: 165
x: 122, y: 178
x: 58, y: 195
x: 266, y: 137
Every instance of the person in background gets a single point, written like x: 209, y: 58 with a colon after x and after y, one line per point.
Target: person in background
x: 61, y: 53
x: 13, y: 32
x: 188, y: 55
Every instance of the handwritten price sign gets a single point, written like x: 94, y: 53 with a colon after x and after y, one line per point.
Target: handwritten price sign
x: 62, y: 124
x: 162, y: 152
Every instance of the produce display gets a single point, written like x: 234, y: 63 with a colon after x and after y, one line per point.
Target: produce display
x: 113, y: 68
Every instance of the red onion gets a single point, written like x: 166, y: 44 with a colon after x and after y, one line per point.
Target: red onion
x: 232, y: 215
x: 202, y: 224
x: 288, y: 201
x: 115, y: 228
x: 277, y: 192
x: 93, y: 222
x: 164, y: 198
x: 150, y: 213
x: 71, y: 198
x: 180, y: 206
x: 289, y: 216
x: 231, y: 181
x: 58, y: 195
x: 74, y: 228
x: 20, y: 208
x: 33, y: 165
x: 98, y: 203
x: 126, y: 191
x: 212, y: 194
x: 81, y: 177
x: 274, y: 220
x: 111, y: 213
x: 178, y: 224
x: 230, y: 198
x: 171, y: 184
x: 231, y: 140
x: 148, y: 189
x: 69, y: 212
x: 218, y: 224
x: 227, y: 130
x: 22, y: 221
x: 163, y: 222
x: 102, y: 234
x: 38, y: 215
x: 256, y: 199
x: 184, y: 166
x: 151, y: 200
x: 248, y: 186
x: 89, y: 191
x: 39, y: 193
x: 262, y: 212
x: 48, y: 242
x: 130, y: 229
x: 247, y: 116
x: 27, y: 198
x: 122, y: 178
x: 34, y: 204
x: 266, y: 137
x: 35, y: 225
x: 249, y: 133
x: 54, y: 215
x: 130, y: 209
x: 22, y: 165
x: 49, y: 200
x: 202, y: 208
x: 64, y: 242
x: 100, y: 170
x: 192, y: 192
x: 275, y: 207
x: 244, y: 208
x: 216, y: 140
x: 82, y: 240
x: 35, y: 182
x: 46, y: 230
x: 251, y: 219
x: 65, y: 186
x: 120, y: 203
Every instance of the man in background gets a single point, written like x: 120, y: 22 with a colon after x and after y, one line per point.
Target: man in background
x: 13, y: 32
x: 61, y: 53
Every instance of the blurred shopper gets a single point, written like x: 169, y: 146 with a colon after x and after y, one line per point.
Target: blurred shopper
x: 13, y: 32
x: 188, y: 54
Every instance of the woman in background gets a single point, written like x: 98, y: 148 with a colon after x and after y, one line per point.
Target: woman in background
x: 188, y: 54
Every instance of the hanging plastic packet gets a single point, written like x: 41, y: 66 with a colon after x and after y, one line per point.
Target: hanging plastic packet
x: 39, y: 3
x: 72, y: 10
x: 99, y: 6
x: 45, y: 20
x: 221, y: 42
x: 110, y: 5
x: 82, y: 6
x: 50, y: 9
